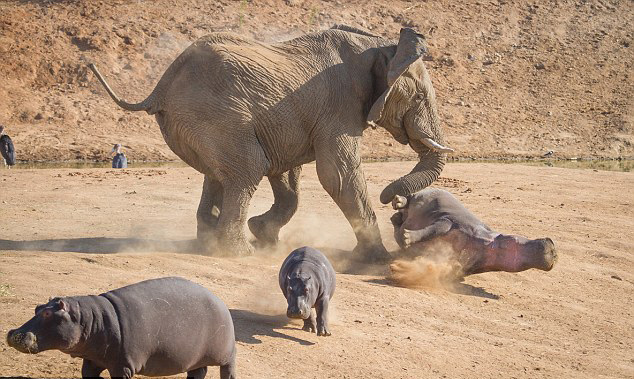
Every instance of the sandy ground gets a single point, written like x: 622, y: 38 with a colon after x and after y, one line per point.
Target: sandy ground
x: 69, y: 232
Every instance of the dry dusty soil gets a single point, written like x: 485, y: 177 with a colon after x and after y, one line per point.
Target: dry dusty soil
x: 69, y: 232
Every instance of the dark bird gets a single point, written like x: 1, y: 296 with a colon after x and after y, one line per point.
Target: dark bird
x: 6, y: 148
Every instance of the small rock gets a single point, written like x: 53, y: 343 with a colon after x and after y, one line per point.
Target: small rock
x: 616, y: 277
x: 540, y: 66
x: 38, y: 116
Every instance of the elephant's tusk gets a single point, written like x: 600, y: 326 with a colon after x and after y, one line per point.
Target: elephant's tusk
x: 430, y: 143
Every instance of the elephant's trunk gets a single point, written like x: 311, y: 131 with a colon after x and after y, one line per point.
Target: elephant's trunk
x: 424, y: 173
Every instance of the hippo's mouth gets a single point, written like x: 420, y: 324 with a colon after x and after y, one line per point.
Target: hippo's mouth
x: 23, y: 342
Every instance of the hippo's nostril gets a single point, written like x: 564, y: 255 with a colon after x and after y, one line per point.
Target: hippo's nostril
x: 295, y: 313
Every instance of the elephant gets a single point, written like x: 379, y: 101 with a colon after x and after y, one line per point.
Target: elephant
x: 237, y: 110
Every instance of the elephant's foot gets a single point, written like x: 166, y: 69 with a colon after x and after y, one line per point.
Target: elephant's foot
x: 372, y: 253
x: 235, y: 247
x: 206, y: 239
x: 264, y: 230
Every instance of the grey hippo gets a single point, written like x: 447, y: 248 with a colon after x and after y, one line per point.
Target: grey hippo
x: 156, y: 327
x: 307, y: 280
x: 434, y: 216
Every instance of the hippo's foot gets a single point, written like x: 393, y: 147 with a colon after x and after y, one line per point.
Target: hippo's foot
x: 310, y: 324
x: 198, y: 373
x: 374, y: 253
x: 399, y: 202
x: 264, y: 230
x: 408, y: 238
x: 322, y: 330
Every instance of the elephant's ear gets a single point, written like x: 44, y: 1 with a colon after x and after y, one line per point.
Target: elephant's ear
x: 389, y: 108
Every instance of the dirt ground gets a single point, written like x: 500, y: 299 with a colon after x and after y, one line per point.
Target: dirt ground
x: 69, y: 232
x: 512, y: 78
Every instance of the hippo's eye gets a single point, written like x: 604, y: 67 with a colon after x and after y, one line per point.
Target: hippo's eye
x: 47, y: 313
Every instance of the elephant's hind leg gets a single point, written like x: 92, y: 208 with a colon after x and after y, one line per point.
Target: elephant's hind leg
x: 266, y: 227
x: 208, y: 211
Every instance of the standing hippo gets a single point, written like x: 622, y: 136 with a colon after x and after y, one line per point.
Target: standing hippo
x: 156, y: 327
x: 307, y: 280
x: 433, y: 216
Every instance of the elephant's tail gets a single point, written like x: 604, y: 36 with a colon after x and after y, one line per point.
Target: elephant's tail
x: 147, y: 105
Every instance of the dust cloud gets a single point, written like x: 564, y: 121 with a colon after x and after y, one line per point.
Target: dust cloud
x: 437, y: 269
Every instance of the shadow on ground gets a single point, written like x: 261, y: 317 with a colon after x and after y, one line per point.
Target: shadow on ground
x: 455, y: 287
x: 248, y: 324
x: 104, y: 245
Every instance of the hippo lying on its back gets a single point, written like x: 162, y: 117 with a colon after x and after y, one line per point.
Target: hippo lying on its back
x: 307, y: 280
x: 157, y: 327
x: 433, y: 215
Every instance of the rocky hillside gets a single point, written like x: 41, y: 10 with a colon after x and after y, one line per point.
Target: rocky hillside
x: 513, y: 78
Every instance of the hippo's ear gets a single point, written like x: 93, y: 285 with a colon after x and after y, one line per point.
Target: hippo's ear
x: 62, y: 306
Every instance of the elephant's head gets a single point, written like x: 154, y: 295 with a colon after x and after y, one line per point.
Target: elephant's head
x: 407, y: 109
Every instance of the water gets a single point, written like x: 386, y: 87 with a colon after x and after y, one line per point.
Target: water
x: 88, y: 164
x: 624, y: 165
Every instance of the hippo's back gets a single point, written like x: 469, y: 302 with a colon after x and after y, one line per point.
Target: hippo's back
x: 171, y: 325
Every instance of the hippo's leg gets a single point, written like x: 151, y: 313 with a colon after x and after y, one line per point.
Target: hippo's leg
x: 198, y: 373
x: 90, y: 370
x: 208, y: 210
x: 122, y: 372
x: 410, y: 237
x: 310, y: 324
x: 228, y: 371
x: 322, y: 318
x: 266, y: 227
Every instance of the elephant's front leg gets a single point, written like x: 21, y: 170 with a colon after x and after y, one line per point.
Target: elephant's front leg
x: 339, y: 170
x: 266, y: 227
x: 208, y: 211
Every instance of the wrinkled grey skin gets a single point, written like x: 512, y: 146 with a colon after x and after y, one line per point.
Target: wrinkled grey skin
x: 237, y: 110
x: 307, y: 280
x: 156, y: 327
x: 432, y: 218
